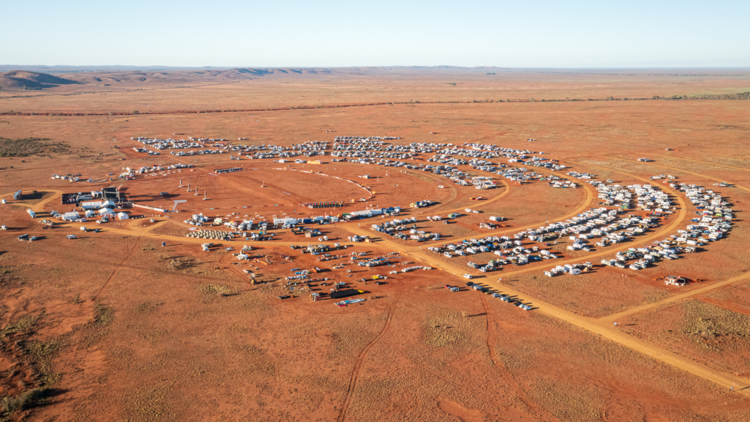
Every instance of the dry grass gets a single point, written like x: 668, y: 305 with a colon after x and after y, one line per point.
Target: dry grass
x: 170, y: 228
x: 41, y: 355
x: 31, y: 147
x: 655, y: 296
x: 21, y: 326
x: 566, y: 404
x: 450, y: 329
x: 714, y: 327
x: 103, y: 315
x: 149, y: 404
x: 147, y: 307
x: 218, y: 290
x: 181, y: 263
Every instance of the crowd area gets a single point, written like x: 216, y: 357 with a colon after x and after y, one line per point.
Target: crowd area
x: 623, y: 213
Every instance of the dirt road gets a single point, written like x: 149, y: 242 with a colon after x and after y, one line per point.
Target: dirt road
x: 600, y: 327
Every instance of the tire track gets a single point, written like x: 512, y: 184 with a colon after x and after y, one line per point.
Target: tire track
x: 676, y: 298
x: 119, y: 267
x: 498, y: 363
x: 358, y: 365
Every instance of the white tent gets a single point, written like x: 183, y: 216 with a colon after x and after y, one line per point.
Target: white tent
x: 122, y: 216
x: 69, y: 216
x: 106, y: 211
x: 90, y: 205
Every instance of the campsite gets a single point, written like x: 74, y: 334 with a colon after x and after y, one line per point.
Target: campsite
x: 521, y: 246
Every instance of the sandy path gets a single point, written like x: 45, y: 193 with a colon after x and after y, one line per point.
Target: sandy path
x: 358, y: 364
x: 676, y: 298
x: 497, y: 361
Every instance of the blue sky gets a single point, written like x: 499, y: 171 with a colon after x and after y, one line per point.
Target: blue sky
x: 501, y: 33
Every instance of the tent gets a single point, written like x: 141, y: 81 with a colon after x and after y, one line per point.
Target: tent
x: 69, y: 216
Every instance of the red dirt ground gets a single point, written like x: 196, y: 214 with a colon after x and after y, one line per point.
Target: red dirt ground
x: 113, y: 326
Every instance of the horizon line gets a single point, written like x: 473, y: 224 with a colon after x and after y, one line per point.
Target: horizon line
x: 392, y: 66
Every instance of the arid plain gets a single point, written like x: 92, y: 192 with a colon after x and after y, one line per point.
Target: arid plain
x: 114, y: 326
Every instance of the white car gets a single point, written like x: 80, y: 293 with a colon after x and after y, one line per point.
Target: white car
x: 469, y: 276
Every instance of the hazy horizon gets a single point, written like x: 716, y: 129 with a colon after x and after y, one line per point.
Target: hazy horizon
x: 125, y: 67
x: 538, y: 34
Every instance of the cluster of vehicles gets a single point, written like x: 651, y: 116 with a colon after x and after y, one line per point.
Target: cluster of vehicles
x: 397, y: 227
x: 561, y: 184
x: 484, y: 289
x: 509, y: 252
x: 195, y: 152
x: 713, y: 222
x: 572, y: 269
x: 713, y: 218
x: 169, y: 143
x: 373, y: 262
x: 69, y: 177
x: 311, y: 148
x: 423, y: 203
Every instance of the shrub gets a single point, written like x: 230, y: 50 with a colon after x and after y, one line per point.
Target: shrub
x: 26, y: 147
x: 25, y: 400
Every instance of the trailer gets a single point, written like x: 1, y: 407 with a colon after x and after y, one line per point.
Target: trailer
x: 345, y: 293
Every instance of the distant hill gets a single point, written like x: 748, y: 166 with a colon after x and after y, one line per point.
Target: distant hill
x: 130, y: 78
x: 20, y: 79
x: 124, y: 77
x: 135, y: 78
x: 59, y: 70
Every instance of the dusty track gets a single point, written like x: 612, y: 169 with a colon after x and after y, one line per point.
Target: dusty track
x: 358, y: 365
x: 497, y: 361
x: 590, y: 196
x: 483, y: 204
x: 594, y: 326
x: 119, y: 267
x: 676, y: 298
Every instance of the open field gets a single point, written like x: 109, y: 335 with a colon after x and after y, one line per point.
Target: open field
x: 137, y: 322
